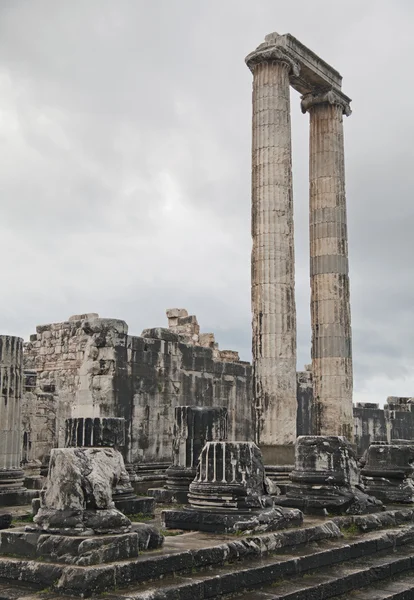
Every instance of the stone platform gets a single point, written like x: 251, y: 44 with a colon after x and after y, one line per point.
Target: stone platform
x: 196, y: 565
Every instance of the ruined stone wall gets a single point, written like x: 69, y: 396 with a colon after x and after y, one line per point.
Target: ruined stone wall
x: 373, y: 424
x: 90, y: 367
x: 166, y: 373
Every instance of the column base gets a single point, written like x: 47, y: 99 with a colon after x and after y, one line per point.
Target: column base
x: 11, y: 479
x: 390, y: 491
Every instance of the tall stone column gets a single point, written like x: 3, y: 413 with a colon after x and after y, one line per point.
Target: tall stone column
x: 273, y: 269
x: 330, y: 305
x: 11, y: 382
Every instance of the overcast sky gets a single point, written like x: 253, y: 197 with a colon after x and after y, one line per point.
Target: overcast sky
x: 125, y: 135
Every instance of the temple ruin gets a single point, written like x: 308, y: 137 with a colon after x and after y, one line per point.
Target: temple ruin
x: 162, y: 467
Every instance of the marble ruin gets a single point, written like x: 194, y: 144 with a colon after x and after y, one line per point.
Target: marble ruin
x: 229, y: 494
x: 12, y: 490
x: 278, y: 63
x: 193, y: 427
x: 114, y: 444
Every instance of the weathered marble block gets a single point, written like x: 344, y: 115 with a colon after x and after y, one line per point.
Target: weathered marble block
x: 109, y: 433
x: 77, y: 522
x: 326, y: 479
x: 77, y: 496
x: 228, y: 494
x: 389, y: 470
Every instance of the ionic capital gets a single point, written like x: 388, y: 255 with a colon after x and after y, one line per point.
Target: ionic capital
x: 270, y: 53
x: 327, y: 97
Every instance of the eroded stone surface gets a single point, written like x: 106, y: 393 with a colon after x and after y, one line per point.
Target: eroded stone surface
x: 388, y: 472
x: 229, y: 493
x: 77, y: 496
x: 326, y: 478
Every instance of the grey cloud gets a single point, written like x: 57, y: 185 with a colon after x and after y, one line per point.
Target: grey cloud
x: 125, y: 147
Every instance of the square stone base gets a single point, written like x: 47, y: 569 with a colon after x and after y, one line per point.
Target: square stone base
x: 74, y: 550
x: 215, y: 521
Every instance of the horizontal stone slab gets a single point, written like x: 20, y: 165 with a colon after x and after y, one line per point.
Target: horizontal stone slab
x: 74, y: 550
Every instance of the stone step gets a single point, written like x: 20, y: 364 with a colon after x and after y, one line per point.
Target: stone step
x: 194, y: 566
x: 13, y: 590
x: 326, y: 572
x: 344, y: 581
x: 399, y: 588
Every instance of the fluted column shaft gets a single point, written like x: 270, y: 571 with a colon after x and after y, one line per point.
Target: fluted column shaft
x: 330, y: 303
x: 11, y: 382
x: 273, y: 270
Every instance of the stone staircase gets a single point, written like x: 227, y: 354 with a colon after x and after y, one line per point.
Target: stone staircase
x: 311, y: 563
x: 325, y: 570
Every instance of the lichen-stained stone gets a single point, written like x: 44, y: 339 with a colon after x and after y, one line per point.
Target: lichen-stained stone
x: 77, y: 497
x: 229, y: 494
x: 326, y: 479
x: 389, y: 470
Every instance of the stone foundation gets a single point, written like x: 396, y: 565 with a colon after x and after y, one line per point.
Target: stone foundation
x: 326, y: 480
x: 229, y: 495
x: 388, y: 472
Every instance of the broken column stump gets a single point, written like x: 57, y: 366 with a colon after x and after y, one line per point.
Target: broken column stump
x: 12, y: 490
x: 109, y: 433
x: 326, y: 479
x: 77, y: 522
x: 389, y: 470
x: 228, y: 494
x: 193, y: 427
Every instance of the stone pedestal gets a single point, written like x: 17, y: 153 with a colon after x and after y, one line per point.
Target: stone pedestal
x: 193, y: 427
x: 273, y: 260
x: 77, y: 522
x: 12, y: 491
x: 228, y: 494
x: 389, y: 470
x: 109, y: 433
x: 325, y: 479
